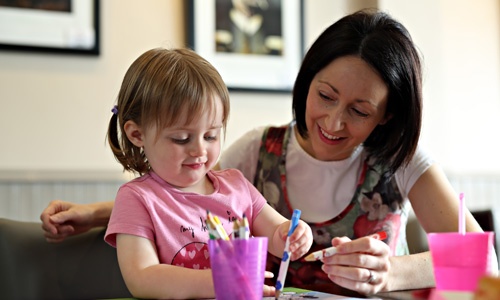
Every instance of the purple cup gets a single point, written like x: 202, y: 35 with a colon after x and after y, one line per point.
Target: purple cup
x: 238, y: 268
x: 460, y: 260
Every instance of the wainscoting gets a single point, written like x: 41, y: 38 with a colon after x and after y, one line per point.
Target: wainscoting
x: 23, y: 196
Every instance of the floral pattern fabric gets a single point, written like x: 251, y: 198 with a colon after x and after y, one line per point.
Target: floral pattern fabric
x: 375, y: 206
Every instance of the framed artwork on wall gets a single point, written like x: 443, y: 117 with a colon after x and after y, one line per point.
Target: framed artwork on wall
x: 255, y: 45
x: 59, y: 26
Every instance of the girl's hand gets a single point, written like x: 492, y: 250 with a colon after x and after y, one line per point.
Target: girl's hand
x: 361, y: 265
x: 301, y: 239
x: 269, y: 291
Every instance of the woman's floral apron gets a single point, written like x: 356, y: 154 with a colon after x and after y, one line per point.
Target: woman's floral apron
x: 374, y: 207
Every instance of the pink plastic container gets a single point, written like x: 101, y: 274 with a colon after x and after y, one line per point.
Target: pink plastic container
x: 459, y: 261
x: 238, y: 268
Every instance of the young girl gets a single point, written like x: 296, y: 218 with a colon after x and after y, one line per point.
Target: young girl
x: 167, y: 126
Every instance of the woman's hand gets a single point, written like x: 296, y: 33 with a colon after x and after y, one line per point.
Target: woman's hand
x: 61, y: 219
x: 361, y: 265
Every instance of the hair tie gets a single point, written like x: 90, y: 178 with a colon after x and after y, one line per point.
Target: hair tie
x: 114, y: 110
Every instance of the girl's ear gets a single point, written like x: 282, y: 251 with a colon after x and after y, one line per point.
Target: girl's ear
x: 134, y: 133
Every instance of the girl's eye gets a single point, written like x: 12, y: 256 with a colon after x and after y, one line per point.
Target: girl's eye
x: 211, y: 138
x: 180, y: 141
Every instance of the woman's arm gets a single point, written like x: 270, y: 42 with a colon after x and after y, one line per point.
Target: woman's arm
x: 61, y: 219
x: 436, y: 206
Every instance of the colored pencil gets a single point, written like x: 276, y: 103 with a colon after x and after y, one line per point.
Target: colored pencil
x: 236, y: 230
x: 244, y: 228
x: 213, y: 230
x: 220, y: 229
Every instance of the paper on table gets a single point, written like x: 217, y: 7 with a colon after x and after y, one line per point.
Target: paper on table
x: 450, y: 295
x: 317, y: 295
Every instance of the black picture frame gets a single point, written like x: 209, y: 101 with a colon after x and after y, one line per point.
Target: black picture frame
x: 64, y: 32
x: 272, y: 70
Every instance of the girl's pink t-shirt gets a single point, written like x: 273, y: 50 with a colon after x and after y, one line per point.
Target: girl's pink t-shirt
x: 174, y: 221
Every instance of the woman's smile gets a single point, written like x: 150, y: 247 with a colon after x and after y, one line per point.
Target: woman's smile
x: 330, y: 139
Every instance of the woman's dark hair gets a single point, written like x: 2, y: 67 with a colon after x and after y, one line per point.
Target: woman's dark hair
x: 386, y: 45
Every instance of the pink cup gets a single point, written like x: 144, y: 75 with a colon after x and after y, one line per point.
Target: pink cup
x: 460, y: 260
x: 238, y: 268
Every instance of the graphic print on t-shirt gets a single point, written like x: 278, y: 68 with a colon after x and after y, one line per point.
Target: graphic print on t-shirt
x: 193, y: 255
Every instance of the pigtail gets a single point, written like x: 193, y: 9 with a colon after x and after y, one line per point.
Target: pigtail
x: 131, y: 157
x: 113, y: 139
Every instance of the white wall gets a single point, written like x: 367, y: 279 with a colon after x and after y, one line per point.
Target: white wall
x: 460, y: 42
x: 250, y: 110
x: 55, y: 109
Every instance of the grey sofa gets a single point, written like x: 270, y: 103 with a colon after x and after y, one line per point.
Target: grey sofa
x: 85, y: 267
x: 82, y: 267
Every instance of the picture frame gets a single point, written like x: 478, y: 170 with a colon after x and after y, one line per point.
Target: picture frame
x: 65, y: 26
x: 249, y: 57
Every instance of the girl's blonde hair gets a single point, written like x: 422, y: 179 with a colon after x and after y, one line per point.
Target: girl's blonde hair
x: 159, y: 88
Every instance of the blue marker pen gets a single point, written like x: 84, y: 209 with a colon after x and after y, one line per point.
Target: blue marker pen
x: 285, y: 260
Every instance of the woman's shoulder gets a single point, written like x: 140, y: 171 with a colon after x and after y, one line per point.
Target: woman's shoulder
x: 242, y: 150
x: 254, y: 134
x: 243, y: 154
x: 421, y: 161
x: 421, y: 158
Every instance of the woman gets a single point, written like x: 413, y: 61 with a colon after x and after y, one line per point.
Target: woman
x: 350, y: 161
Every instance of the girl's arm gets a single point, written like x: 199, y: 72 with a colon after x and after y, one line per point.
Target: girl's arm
x: 146, y: 277
x: 273, y: 225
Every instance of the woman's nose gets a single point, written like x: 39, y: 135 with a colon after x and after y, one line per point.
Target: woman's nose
x: 336, y: 119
